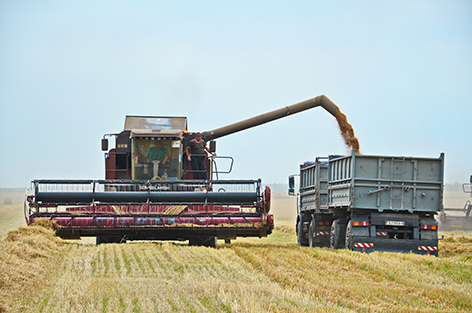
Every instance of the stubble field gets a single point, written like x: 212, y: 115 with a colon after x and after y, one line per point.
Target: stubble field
x: 41, y: 273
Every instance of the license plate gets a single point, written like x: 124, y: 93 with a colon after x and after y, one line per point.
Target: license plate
x: 395, y: 223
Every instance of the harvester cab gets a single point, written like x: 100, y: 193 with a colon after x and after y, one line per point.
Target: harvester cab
x: 152, y: 148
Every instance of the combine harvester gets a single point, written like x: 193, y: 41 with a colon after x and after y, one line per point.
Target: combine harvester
x: 370, y: 203
x: 451, y: 218
x: 159, y: 199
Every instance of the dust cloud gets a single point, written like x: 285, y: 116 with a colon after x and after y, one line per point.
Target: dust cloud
x: 347, y: 132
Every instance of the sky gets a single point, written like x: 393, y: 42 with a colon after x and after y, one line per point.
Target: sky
x: 70, y: 71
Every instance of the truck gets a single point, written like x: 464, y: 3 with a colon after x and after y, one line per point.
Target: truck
x: 151, y: 191
x: 369, y: 203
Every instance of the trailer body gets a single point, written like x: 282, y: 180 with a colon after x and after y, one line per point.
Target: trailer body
x: 371, y: 203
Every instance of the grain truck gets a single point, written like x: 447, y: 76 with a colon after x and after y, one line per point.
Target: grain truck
x: 151, y: 191
x: 370, y: 203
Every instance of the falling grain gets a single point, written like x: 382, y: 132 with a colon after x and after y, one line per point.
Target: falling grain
x: 347, y: 132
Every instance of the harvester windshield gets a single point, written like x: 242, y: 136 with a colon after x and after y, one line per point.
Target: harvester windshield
x: 156, y: 146
x: 156, y: 159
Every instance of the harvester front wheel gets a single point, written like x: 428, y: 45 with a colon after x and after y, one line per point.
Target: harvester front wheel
x: 102, y: 239
x: 203, y: 241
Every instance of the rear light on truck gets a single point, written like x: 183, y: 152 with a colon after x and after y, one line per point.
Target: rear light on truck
x: 320, y: 223
x: 429, y: 227
x: 360, y: 223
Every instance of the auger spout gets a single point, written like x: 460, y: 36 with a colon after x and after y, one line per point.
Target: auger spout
x: 321, y: 100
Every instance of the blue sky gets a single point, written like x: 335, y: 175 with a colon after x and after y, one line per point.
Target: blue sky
x: 71, y: 70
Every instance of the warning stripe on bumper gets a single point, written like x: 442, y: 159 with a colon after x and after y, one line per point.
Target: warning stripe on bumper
x: 322, y: 233
x: 427, y: 248
x: 363, y: 245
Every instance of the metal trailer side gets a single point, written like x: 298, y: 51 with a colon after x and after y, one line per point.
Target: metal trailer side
x: 385, y: 203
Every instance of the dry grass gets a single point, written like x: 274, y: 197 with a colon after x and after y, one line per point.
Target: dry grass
x: 456, y: 245
x: 41, y: 274
x: 27, y: 256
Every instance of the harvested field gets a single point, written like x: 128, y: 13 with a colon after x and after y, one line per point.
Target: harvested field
x: 41, y: 273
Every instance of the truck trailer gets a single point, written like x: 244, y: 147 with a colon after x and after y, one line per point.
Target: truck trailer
x: 151, y: 191
x: 370, y: 203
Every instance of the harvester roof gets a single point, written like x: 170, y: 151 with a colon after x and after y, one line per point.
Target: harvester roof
x: 153, y: 123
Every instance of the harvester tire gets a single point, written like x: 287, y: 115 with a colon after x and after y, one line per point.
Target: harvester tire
x: 203, y: 241
x: 102, y: 239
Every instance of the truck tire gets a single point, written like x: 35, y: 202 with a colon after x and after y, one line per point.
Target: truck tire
x: 349, y: 239
x: 301, y: 235
x: 337, y: 235
x: 311, y: 233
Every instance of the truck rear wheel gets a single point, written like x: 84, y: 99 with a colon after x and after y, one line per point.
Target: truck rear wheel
x: 311, y: 233
x: 349, y: 241
x: 336, y: 237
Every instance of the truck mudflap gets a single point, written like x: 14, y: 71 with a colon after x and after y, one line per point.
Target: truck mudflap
x: 370, y: 244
